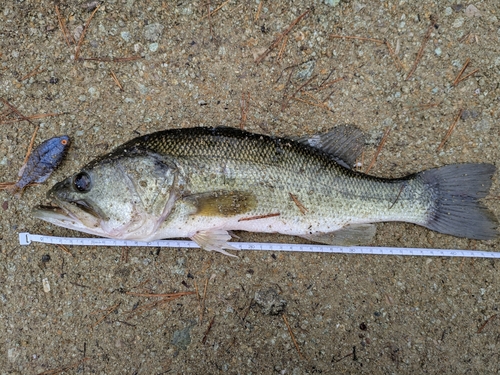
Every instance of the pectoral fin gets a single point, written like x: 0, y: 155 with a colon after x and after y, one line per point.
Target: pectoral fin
x: 222, y: 203
x: 350, y: 235
x: 214, y: 240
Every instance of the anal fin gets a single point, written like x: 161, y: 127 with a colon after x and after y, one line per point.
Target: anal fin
x: 350, y: 235
x: 214, y: 240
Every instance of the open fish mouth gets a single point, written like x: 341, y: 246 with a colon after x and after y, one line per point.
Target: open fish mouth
x: 73, y: 215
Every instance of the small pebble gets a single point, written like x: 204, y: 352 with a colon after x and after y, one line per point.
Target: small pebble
x: 46, y: 285
x: 94, y: 93
x: 153, y: 47
x: 126, y: 36
x: 482, y: 126
x: 469, y: 113
x: 438, y: 51
x: 270, y: 301
x: 153, y: 32
x: 458, y: 22
x: 332, y: 3
x: 182, y: 338
x: 306, y: 70
x: 472, y: 11
x: 142, y: 89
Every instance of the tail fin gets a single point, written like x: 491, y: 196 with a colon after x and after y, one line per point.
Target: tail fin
x: 457, y: 211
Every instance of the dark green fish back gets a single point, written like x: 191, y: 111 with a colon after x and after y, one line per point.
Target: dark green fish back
x: 224, y: 143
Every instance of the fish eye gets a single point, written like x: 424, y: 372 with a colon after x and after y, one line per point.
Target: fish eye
x: 82, y: 182
x: 64, y: 142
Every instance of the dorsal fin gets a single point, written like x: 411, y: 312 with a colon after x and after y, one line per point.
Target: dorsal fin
x: 344, y: 143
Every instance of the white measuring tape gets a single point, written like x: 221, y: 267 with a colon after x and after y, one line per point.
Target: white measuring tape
x: 27, y: 238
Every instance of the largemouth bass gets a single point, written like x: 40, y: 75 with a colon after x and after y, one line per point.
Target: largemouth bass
x: 201, y: 183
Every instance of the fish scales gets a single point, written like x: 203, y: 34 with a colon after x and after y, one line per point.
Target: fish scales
x: 274, y: 167
x: 224, y: 179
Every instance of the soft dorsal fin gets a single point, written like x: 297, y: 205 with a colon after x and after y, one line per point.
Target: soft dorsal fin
x: 344, y: 143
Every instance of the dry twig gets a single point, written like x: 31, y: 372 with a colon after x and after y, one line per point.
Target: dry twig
x: 64, y: 248
x: 124, y: 255
x: 259, y: 9
x: 280, y: 37
x: 214, y: 11
x: 199, y: 299
x: 112, y: 59
x: 167, y: 297
x: 161, y: 295
x: 33, y: 117
x: 421, y: 50
x: 468, y: 75
x: 457, y: 79
x: 259, y: 217
x: 282, y: 49
x: 379, y: 41
x: 319, y: 105
x: 15, y: 110
x: 208, y: 330
x: 395, y: 57
x: 245, y: 105
x: 450, y: 130
x: 64, y: 29
x: 115, y: 78
x: 34, y: 72
x: 80, y: 41
x: 64, y: 368
x: 484, y: 324
x: 108, y: 311
x: 379, y: 148
x: 299, y: 204
x: 203, y: 301
x: 30, y: 146
x: 293, y: 337
x: 283, y: 105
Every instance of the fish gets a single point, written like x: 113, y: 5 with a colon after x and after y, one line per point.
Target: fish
x: 42, y: 161
x: 203, y: 183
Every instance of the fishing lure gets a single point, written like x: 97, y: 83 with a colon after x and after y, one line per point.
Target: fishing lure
x: 43, y: 160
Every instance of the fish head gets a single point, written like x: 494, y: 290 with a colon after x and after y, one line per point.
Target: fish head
x: 117, y: 197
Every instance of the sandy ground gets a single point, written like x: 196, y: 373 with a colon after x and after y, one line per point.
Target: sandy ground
x: 348, y: 314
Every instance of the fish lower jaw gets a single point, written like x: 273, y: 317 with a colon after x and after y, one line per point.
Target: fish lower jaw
x: 138, y: 230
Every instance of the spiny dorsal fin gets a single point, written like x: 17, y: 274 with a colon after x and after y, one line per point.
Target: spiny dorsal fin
x: 344, y: 143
